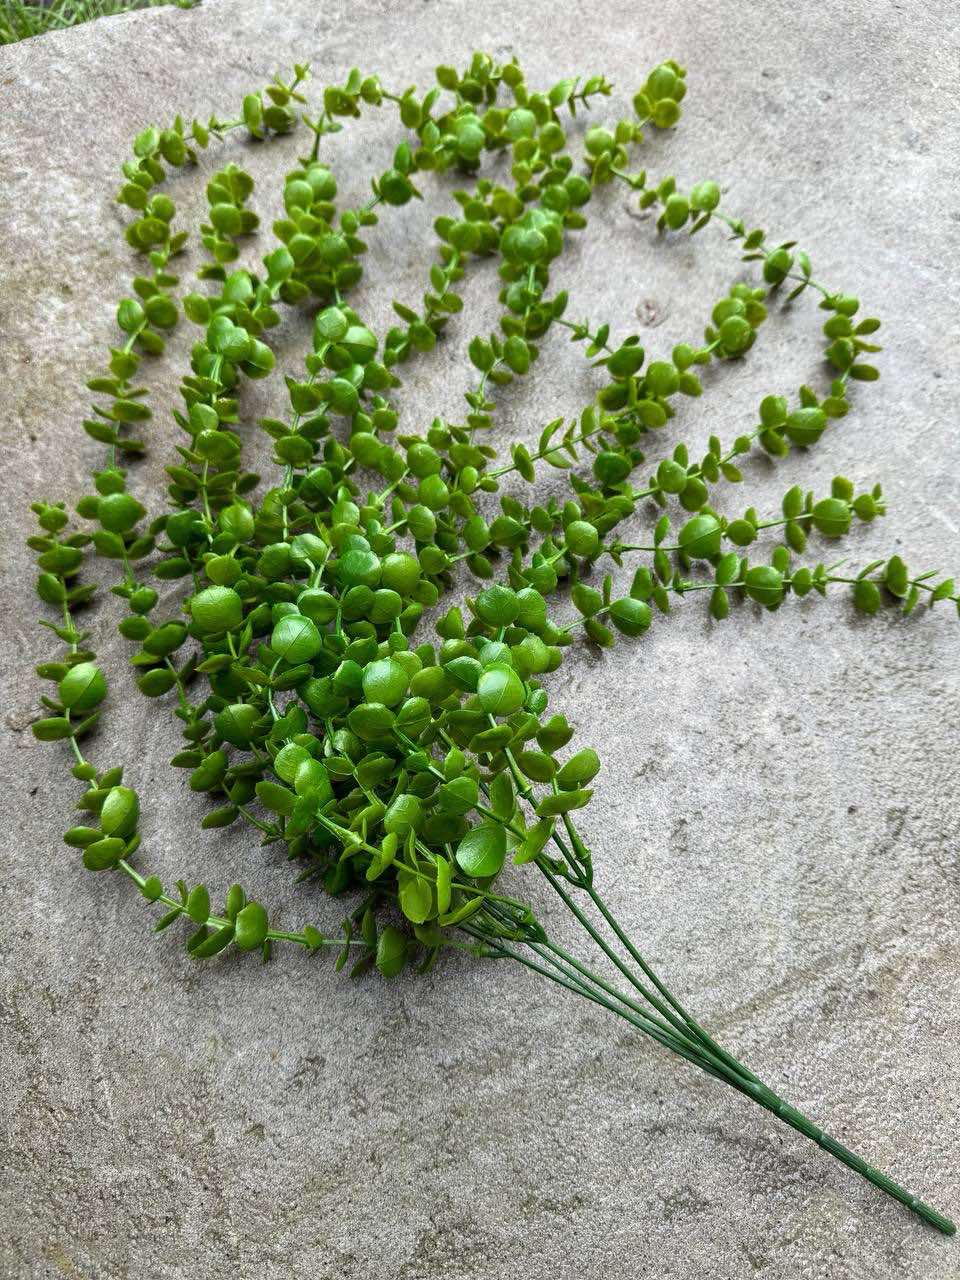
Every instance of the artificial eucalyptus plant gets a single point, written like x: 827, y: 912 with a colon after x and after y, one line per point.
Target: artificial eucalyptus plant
x: 411, y: 777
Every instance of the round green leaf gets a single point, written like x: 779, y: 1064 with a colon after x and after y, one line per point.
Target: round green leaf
x: 482, y: 851
x: 251, y: 926
x: 631, y: 617
x: 402, y: 815
x: 359, y: 568
x: 500, y: 690
x: 296, y: 639
x: 764, y: 584
x: 83, y: 687
x: 662, y: 378
x: 700, y: 537
x: 498, y: 606
x: 119, y: 512
x: 235, y: 723
x: 579, y: 769
x: 804, y: 426
x: 120, y: 812
x: 217, y: 609
x: 866, y: 596
x: 385, y: 681
x: 391, y: 951
x: 103, y: 854
x: 581, y: 538
x: 400, y: 572
x: 416, y: 898
x: 287, y: 761
x: 371, y: 720
x: 831, y: 516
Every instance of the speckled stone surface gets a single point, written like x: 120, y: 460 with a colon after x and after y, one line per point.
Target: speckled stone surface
x: 777, y: 818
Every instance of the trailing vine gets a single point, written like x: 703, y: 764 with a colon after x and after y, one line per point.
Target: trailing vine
x: 404, y: 774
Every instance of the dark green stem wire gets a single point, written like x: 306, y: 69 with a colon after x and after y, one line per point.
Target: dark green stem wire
x: 692, y: 1044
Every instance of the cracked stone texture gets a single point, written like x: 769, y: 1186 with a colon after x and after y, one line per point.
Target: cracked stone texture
x: 777, y: 816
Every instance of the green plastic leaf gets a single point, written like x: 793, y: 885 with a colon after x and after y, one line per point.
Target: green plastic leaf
x: 866, y: 596
x: 391, y: 951
x: 482, y: 851
x: 500, y: 690
x: 579, y: 769
x: 251, y: 926
x: 416, y: 897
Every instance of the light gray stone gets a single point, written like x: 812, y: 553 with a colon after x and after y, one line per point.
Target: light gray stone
x: 777, y: 815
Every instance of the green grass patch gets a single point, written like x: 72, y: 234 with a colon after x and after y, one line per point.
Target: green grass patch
x: 20, y: 21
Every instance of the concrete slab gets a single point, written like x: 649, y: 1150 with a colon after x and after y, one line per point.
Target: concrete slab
x: 777, y: 816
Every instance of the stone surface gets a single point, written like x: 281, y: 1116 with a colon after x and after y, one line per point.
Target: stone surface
x: 777, y: 816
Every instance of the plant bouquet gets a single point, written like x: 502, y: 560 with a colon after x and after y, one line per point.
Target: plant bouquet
x: 423, y: 781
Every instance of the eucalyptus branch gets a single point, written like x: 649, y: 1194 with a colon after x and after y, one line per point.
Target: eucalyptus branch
x: 405, y: 772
